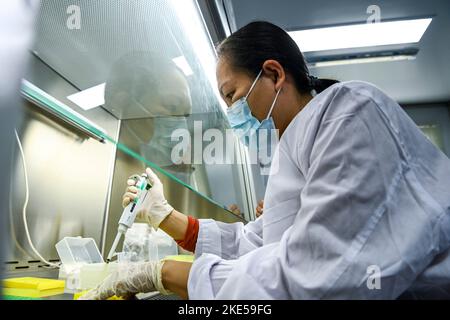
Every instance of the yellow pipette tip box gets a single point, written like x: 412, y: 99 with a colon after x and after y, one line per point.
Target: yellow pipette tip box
x: 32, y: 287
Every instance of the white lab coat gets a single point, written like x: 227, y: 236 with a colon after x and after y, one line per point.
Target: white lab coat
x: 359, y: 189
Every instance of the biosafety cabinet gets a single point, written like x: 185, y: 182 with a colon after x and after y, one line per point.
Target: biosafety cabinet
x: 106, y: 85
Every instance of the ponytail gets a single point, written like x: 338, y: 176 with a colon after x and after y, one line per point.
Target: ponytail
x: 320, y: 85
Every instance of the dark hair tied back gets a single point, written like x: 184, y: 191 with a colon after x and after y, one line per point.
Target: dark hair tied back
x: 320, y: 85
x: 248, y: 48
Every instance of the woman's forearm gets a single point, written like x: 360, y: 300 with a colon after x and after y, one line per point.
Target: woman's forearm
x: 175, y: 225
x: 175, y: 275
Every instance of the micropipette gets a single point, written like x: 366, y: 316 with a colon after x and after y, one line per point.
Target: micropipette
x: 130, y: 212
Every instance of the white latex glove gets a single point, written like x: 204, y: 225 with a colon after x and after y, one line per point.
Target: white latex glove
x: 155, y: 207
x: 129, y: 280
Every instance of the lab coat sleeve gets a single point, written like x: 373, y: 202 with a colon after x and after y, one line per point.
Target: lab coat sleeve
x: 228, y: 240
x: 362, y: 232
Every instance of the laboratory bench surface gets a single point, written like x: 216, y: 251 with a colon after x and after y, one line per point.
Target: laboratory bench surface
x: 53, y: 274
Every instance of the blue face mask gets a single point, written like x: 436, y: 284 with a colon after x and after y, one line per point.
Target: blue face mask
x: 244, y: 124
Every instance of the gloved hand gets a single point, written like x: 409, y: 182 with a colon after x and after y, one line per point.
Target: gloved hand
x: 155, y: 207
x: 129, y: 280
x: 260, y: 208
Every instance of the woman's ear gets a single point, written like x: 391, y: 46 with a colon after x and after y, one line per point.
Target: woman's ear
x: 275, y: 71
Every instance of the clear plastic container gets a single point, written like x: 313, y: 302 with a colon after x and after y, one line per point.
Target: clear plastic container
x: 75, y: 250
x: 93, y: 274
x: 135, y: 242
x: 161, y: 245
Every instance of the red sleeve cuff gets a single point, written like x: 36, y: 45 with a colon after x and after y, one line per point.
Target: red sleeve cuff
x: 190, y: 238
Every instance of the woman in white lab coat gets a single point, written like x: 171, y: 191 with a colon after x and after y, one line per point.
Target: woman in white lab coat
x: 357, y: 205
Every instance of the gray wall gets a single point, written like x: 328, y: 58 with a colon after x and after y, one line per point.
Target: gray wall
x: 434, y: 117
